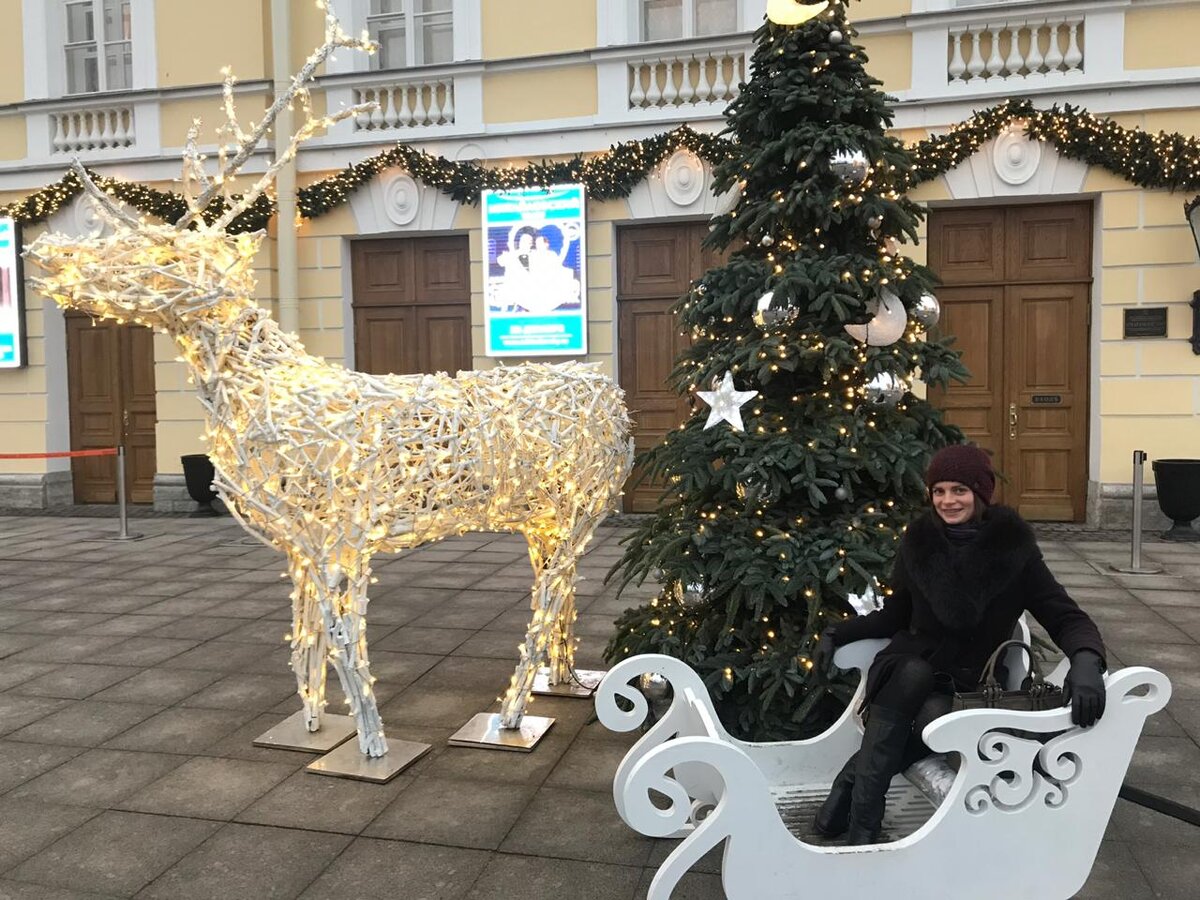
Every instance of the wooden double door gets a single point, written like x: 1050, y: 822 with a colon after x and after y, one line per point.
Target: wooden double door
x: 1016, y: 296
x: 110, y: 377
x: 656, y: 265
x: 412, y: 305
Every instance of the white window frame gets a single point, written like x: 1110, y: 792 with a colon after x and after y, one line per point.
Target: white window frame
x: 688, y: 16
x: 468, y: 38
x: 44, y: 29
x: 619, y: 22
x: 920, y: 6
x: 101, y: 44
x: 410, y: 17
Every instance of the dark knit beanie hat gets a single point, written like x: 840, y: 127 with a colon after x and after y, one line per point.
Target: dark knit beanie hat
x: 966, y: 464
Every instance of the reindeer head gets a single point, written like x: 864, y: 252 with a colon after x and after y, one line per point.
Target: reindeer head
x: 171, y: 276
x: 154, y: 275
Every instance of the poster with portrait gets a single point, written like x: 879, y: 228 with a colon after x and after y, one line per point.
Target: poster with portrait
x: 535, y: 292
x: 12, y: 294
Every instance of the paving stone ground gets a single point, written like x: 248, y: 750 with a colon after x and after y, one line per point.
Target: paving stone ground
x: 133, y: 678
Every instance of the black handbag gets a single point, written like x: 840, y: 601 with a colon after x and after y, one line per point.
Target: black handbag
x: 1040, y: 694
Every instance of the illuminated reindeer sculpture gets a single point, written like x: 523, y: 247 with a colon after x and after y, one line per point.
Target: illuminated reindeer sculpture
x: 333, y: 466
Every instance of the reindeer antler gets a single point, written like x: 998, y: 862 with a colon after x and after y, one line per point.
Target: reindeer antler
x: 108, y: 206
x: 335, y: 38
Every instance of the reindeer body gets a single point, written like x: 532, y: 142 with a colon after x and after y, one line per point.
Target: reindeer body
x: 334, y: 466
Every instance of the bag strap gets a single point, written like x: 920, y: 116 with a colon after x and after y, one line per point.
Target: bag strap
x: 989, y: 670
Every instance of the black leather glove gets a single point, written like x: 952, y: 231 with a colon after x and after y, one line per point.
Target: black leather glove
x: 1083, y: 688
x: 822, y: 655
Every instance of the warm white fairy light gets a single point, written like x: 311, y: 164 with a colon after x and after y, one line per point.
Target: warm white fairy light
x: 333, y: 466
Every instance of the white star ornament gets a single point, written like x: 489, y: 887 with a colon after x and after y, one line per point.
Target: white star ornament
x: 726, y: 402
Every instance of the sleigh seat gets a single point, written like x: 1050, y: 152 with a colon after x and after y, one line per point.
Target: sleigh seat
x: 1024, y: 780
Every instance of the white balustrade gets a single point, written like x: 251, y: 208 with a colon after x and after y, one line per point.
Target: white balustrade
x: 409, y: 104
x: 686, y: 79
x: 94, y: 128
x: 1026, y: 49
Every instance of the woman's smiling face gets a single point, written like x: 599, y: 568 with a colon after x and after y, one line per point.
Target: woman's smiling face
x: 953, y: 501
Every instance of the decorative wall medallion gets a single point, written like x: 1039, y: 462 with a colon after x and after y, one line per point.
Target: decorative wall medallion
x: 401, y: 199
x: 88, y: 221
x: 1016, y: 157
x: 683, y: 176
x: 469, y: 151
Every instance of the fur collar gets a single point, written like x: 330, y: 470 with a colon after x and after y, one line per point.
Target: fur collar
x: 960, y: 582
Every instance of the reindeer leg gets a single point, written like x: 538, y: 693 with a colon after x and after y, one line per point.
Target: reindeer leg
x: 309, y: 650
x: 343, y: 607
x: 562, y: 639
x: 551, y: 628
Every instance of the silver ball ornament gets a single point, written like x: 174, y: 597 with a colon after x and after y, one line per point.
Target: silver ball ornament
x: 842, y: 494
x: 767, y: 240
x: 690, y: 595
x: 851, y: 166
x: 835, y: 37
x: 768, y: 316
x: 653, y: 687
x: 885, y: 389
x: 927, y: 311
x: 875, y: 222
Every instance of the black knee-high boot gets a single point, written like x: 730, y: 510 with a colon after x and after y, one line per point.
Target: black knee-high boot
x: 878, y: 761
x: 833, y: 818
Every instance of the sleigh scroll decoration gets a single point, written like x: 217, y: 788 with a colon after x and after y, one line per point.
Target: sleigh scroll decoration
x: 333, y: 466
x: 1024, y: 816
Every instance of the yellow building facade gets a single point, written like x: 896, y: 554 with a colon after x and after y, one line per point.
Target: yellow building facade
x: 394, y: 279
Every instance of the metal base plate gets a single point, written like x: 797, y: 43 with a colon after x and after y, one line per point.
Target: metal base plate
x: 484, y: 731
x: 290, y: 734
x: 582, y: 685
x: 100, y: 538
x: 347, y: 761
x: 1144, y: 570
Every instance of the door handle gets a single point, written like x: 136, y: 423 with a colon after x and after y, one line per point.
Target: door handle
x: 1012, y: 421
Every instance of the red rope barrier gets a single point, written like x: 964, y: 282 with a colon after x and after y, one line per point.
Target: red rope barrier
x: 107, y: 451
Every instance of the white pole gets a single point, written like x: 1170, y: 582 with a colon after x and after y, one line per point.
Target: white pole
x: 1135, y: 563
x: 1139, y: 463
x: 122, y: 510
x: 286, y: 251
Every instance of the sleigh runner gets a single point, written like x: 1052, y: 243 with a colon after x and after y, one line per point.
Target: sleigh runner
x: 1025, y: 782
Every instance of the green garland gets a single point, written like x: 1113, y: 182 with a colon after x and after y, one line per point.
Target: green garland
x: 1168, y: 161
x: 1157, y: 161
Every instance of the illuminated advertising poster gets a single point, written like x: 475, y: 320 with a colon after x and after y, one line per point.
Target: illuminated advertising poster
x: 535, y: 297
x: 12, y: 309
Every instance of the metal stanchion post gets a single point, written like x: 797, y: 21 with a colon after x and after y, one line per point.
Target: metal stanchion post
x: 122, y: 511
x: 1135, y: 566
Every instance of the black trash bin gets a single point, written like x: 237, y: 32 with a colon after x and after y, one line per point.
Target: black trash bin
x: 1177, y: 482
x: 198, y: 474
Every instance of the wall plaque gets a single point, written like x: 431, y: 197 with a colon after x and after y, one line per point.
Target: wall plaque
x: 1146, y: 321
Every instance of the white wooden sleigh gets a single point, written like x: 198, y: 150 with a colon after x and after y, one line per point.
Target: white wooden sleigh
x: 1024, y: 817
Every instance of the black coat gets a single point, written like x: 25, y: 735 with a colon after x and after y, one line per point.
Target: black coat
x: 954, y: 605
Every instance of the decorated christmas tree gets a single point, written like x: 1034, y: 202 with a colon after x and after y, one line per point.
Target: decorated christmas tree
x: 786, y: 493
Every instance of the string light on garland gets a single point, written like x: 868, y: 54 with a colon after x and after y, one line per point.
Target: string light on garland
x: 1167, y: 161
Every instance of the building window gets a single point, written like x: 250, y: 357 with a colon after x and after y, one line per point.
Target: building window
x: 99, y: 46
x: 673, y: 19
x: 411, y: 32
